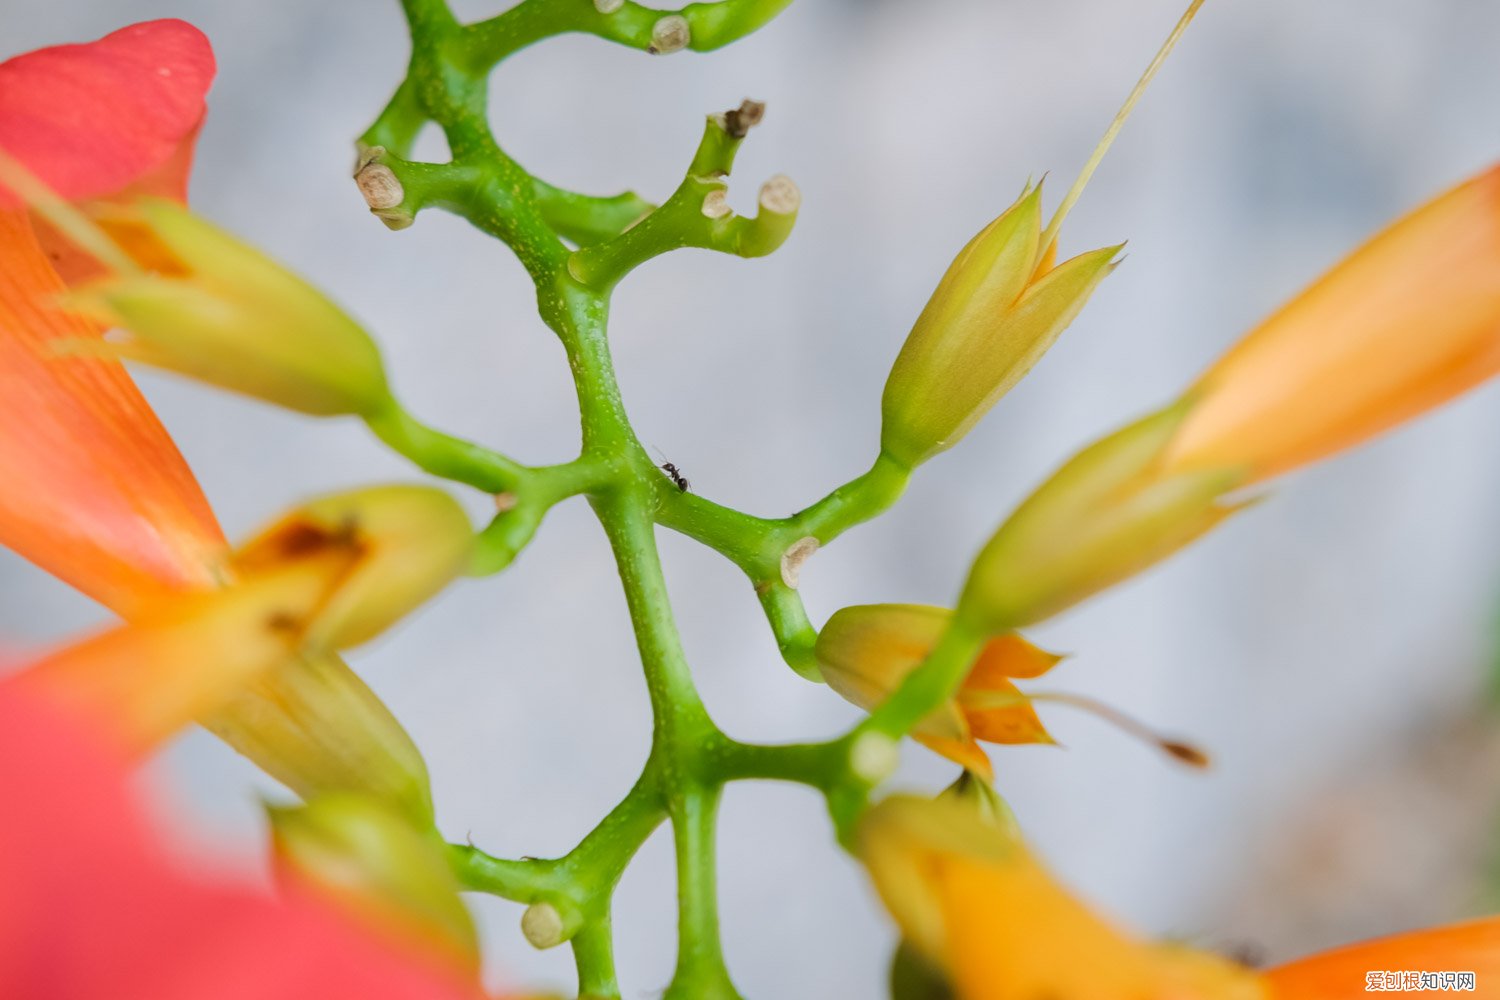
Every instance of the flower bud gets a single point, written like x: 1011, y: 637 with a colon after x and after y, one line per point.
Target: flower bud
x: 411, y: 541
x: 379, y: 868
x: 997, y: 310
x: 1107, y: 514
x: 210, y: 307
x: 313, y: 725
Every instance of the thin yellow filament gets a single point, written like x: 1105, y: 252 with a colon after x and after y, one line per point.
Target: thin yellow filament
x: 1076, y: 191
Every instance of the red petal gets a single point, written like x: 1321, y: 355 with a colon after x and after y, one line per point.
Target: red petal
x: 92, y: 119
x: 95, y: 491
x: 90, y: 907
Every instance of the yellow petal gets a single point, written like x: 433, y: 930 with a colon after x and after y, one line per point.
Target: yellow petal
x: 867, y: 650
x: 1407, y: 322
x: 411, y: 542
x: 313, y: 725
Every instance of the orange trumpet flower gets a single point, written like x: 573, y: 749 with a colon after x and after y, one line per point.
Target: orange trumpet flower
x: 989, y: 920
x: 1406, y: 323
x: 109, y: 504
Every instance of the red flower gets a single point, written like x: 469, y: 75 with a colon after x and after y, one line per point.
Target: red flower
x: 91, y: 907
x: 92, y: 120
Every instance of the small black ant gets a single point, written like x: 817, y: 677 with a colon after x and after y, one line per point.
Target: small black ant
x: 676, y: 476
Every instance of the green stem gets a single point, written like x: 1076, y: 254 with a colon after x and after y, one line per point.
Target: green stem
x: 933, y: 682
x: 711, y: 25
x: 444, y: 455
x: 690, y: 758
x: 594, y: 957
x: 701, y: 973
x: 795, y: 635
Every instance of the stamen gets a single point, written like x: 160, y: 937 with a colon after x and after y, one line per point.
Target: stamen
x: 66, y: 219
x: 1178, y: 750
x: 1049, y: 236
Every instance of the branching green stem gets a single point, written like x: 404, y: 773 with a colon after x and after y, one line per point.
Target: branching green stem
x: 691, y: 759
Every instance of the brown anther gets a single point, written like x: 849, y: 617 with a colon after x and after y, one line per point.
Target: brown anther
x: 303, y: 538
x: 283, y: 622
x: 1187, y: 753
x: 742, y: 119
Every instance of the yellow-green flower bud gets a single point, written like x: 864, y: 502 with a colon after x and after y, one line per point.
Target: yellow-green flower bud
x: 998, y: 309
x: 379, y: 867
x: 1107, y: 514
x: 411, y: 542
x: 317, y: 728
x: 210, y: 307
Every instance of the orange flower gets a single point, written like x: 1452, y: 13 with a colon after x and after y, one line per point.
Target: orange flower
x: 108, y: 504
x: 1406, y: 323
x: 973, y: 901
x: 1470, y: 947
x: 865, y: 652
x: 989, y: 919
x: 330, y: 575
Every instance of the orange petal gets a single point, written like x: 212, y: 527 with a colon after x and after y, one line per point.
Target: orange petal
x: 1406, y: 323
x: 140, y: 683
x: 1010, y: 655
x: 1332, y: 975
x: 96, y: 494
x: 866, y: 652
x: 997, y: 712
x: 977, y: 903
x: 965, y: 752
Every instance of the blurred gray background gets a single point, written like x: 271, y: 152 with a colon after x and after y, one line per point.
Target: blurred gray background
x: 1330, y: 647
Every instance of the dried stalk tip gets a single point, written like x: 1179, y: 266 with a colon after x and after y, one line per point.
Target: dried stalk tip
x: 874, y: 757
x: 608, y: 6
x: 395, y: 219
x: 670, y: 34
x: 716, y: 204
x: 380, y: 186
x: 505, y: 502
x: 365, y: 154
x: 542, y: 925
x: 780, y: 196
x: 793, y: 558
x: 742, y: 119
